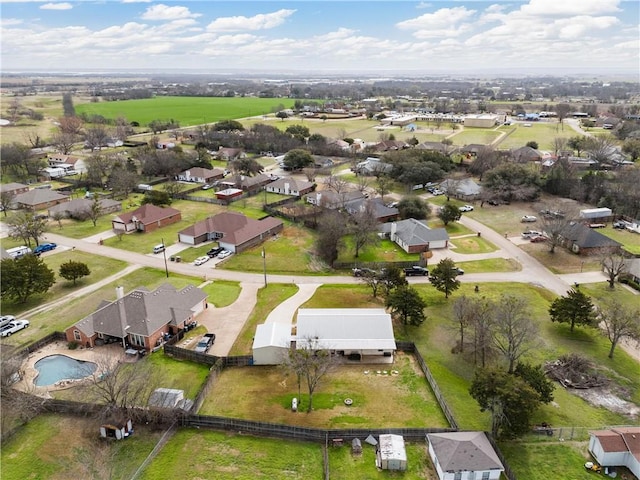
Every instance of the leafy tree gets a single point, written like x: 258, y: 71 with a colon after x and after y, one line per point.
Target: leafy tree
x: 67, y: 105
x: 297, y: 159
x: 383, y: 185
x: 513, y: 181
x: 631, y: 146
x: 246, y: 166
x: 532, y: 144
x: 228, y: 126
x: 578, y: 143
x: 574, y: 308
x: 391, y: 277
x: 299, y: 131
x: 282, y: 115
x: 73, y: 270
x: 413, y: 207
x: 513, y: 330
x: 407, y: 305
x: 537, y: 379
x: 562, y: 178
x: 26, y: 226
x: 172, y: 188
x: 157, y: 198
x: 25, y: 276
x: 449, y: 213
x: 444, y: 277
x: 619, y: 322
x: 510, y: 400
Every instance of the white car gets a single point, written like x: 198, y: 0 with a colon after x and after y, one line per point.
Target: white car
x: 13, y: 327
x: 528, y: 218
x: 200, y: 260
x: 224, y: 254
x: 6, y: 319
x: 531, y: 234
x: 466, y: 208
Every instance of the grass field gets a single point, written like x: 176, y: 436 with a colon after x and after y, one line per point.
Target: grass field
x: 468, y: 136
x: 186, y: 110
x: 541, y: 132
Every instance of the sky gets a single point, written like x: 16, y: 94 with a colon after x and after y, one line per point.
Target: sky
x: 307, y: 36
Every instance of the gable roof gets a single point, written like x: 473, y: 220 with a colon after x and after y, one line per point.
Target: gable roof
x: 78, y: 205
x: 464, y: 186
x: 143, y: 311
x: 586, y: 237
x: 200, y: 172
x: 295, y: 185
x: 147, y: 213
x: 340, y: 328
x: 621, y: 439
x: 272, y: 335
x: 11, y: 187
x: 460, y: 451
x: 415, y: 232
x: 235, y: 228
x: 38, y: 196
x: 379, y: 209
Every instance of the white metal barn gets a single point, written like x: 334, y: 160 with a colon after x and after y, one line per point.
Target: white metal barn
x: 271, y: 343
x: 351, y: 332
x: 391, y: 453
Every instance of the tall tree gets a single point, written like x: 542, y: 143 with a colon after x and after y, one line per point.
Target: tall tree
x: 619, y: 322
x: 555, y: 224
x: 407, y: 305
x: 444, y: 277
x: 26, y: 226
x: 414, y: 207
x: 513, y: 330
x: 363, y: 227
x: 24, y: 277
x: 449, y: 213
x: 67, y: 105
x: 575, y: 308
x: 391, y: 277
x: 383, y: 185
x: 463, y: 316
x: 513, y: 181
x: 95, y: 211
x: 6, y: 199
x: 613, y: 264
x: 562, y: 111
x: 331, y: 229
x: 537, y: 379
x: 246, y: 166
x: 297, y: 159
x: 72, y: 271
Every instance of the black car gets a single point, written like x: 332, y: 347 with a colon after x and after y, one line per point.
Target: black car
x: 214, y: 252
x: 416, y: 270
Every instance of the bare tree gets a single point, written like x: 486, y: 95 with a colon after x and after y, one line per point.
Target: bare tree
x: 463, y: 314
x: 311, y: 361
x: 562, y: 110
x: 364, y: 227
x: 619, y: 322
x: 383, y: 185
x: 310, y: 173
x: 340, y: 186
x: 123, y: 182
x: 58, y: 216
x: 513, y: 330
x: 96, y: 137
x: 94, y: 211
x: 34, y: 139
x: 64, y: 141
x: 6, y: 199
x: 554, y: 225
x: 70, y: 124
x: 559, y: 144
x: 482, y: 326
x: 26, y: 226
x: 362, y: 184
x: 613, y: 264
x: 172, y: 188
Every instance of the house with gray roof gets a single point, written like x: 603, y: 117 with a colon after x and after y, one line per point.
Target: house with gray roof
x: 463, y: 189
x: 333, y: 200
x: 39, y: 199
x: 141, y: 318
x: 414, y: 236
x: 233, y: 231
x: 378, y: 209
x: 201, y: 175
x: 290, y: 186
x: 78, y: 207
x: 372, y: 166
x: 13, y: 188
x: 463, y: 455
x: 581, y: 239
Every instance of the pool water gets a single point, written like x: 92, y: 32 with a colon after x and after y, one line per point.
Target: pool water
x: 54, y: 368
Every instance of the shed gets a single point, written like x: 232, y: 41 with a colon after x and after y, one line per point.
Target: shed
x: 595, y: 213
x: 271, y: 343
x: 356, y: 446
x: 167, y: 398
x: 117, y: 429
x: 391, y: 453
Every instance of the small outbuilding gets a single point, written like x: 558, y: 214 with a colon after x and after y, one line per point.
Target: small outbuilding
x: 117, y: 429
x: 356, y: 446
x: 271, y: 343
x: 391, y: 454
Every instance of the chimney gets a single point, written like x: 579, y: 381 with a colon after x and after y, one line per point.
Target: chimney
x: 393, y: 231
x: 120, y: 292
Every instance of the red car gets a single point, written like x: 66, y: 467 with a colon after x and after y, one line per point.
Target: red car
x: 538, y: 239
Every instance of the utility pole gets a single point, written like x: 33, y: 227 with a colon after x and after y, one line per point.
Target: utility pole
x: 164, y: 254
x: 264, y: 266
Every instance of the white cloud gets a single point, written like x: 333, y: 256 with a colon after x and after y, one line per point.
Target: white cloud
x: 165, y: 12
x: 579, y: 27
x: 261, y: 21
x: 56, y: 6
x: 570, y: 7
x: 441, y: 19
x: 8, y: 22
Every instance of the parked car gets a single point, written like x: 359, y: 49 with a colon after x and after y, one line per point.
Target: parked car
x: 224, y: 253
x: 528, y: 218
x: 458, y: 271
x: 207, y: 186
x: 620, y: 224
x: 531, y: 233
x: 538, y: 239
x: 466, y: 208
x: 13, y: 327
x: 200, y: 260
x: 214, y: 252
x: 363, y: 272
x: 493, y: 202
x: 437, y: 192
x: 44, y: 247
x: 6, y: 319
x: 416, y: 270
x: 205, y: 342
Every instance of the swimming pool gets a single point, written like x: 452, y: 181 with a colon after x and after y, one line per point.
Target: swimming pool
x: 54, y: 368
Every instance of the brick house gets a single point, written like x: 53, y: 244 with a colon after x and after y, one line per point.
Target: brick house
x: 39, y: 199
x: 290, y: 186
x: 146, y: 218
x: 76, y: 208
x: 13, y: 188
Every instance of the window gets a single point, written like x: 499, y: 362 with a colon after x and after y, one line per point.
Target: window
x: 76, y: 335
x: 137, y: 340
x: 485, y: 475
x: 457, y: 476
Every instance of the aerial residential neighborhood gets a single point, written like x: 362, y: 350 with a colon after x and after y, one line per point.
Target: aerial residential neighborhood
x: 320, y: 241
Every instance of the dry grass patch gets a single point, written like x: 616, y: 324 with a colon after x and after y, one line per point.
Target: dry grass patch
x: 561, y: 261
x: 259, y: 393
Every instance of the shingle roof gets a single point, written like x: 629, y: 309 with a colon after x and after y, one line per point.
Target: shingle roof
x: 460, y: 451
x: 80, y: 204
x: 586, y: 237
x: 235, y: 228
x: 415, y: 232
x: 147, y: 214
x: 294, y: 185
x: 10, y: 187
x: 38, y: 196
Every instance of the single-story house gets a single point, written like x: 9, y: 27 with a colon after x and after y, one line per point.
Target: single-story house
x: 437, y: 147
x: 372, y: 166
x: 229, y: 154
x: 380, y: 211
x: 583, y: 240
x: 526, y: 154
x: 632, y: 267
x: 39, y: 199
x: 332, y: 200
x: 228, y: 194
x: 472, y: 149
x: 355, y: 333
x: 250, y: 184
x: 271, y: 343
x: 391, y: 453
x: 77, y: 164
x: 233, y: 231
x: 146, y: 218
x: 390, y: 145
x: 290, y: 186
x: 78, y: 207
x: 618, y: 447
x: 464, y: 455
x: 201, y: 175
x: 141, y: 318
x: 13, y: 188
x: 465, y: 189
x: 414, y: 236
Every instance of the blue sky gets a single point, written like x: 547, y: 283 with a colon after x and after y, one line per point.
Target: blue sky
x: 531, y: 36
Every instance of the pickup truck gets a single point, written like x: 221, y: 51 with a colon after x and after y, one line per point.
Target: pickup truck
x: 205, y: 343
x: 416, y: 271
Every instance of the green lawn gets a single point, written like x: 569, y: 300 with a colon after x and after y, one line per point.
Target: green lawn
x: 630, y: 240
x: 180, y: 374
x: 222, y: 293
x: 100, y: 267
x: 186, y: 110
x: 541, y: 132
x: 468, y: 136
x: 60, y: 447
x: 472, y: 244
x: 198, y: 454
